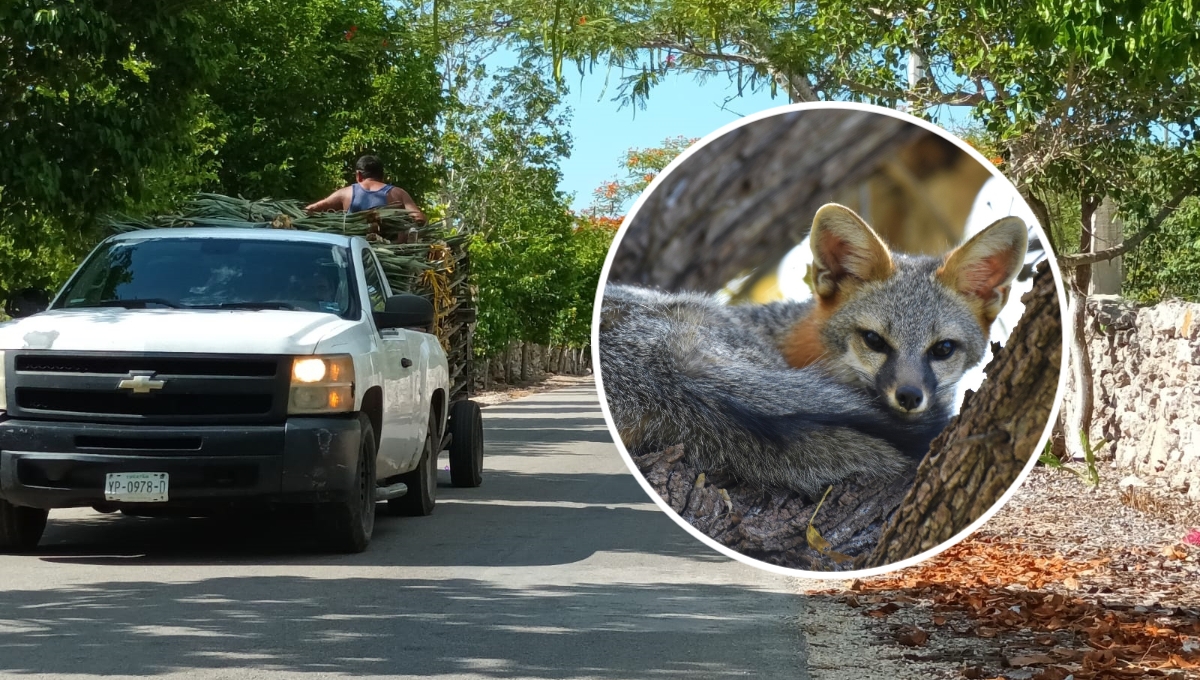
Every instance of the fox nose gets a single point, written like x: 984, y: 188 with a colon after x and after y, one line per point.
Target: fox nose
x: 909, y: 397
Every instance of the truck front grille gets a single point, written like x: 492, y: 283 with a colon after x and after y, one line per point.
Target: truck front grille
x: 185, y: 388
x: 120, y: 365
x: 144, y: 405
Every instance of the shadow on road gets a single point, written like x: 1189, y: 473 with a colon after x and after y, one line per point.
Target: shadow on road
x: 378, y: 626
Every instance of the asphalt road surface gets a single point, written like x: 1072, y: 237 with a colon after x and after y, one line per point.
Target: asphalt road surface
x: 557, y: 567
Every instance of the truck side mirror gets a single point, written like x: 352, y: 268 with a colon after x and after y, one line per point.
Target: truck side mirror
x: 405, y: 311
x: 26, y: 302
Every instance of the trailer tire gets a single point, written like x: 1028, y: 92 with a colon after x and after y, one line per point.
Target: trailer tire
x: 466, y: 444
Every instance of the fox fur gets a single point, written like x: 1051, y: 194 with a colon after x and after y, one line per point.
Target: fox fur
x: 800, y: 395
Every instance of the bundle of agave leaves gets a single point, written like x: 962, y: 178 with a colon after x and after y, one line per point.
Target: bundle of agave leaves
x: 428, y: 260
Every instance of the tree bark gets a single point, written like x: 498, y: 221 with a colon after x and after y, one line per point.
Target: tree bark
x: 1079, y: 418
x: 970, y: 465
x: 983, y: 450
x: 745, y: 198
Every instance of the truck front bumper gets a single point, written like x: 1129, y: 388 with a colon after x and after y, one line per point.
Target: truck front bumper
x: 63, y: 464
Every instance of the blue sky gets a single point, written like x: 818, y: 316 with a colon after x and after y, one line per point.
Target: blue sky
x: 678, y: 106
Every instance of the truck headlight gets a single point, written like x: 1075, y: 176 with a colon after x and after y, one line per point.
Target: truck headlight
x: 3, y: 387
x: 322, y: 384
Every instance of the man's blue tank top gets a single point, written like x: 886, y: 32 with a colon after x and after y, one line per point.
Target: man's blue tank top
x: 364, y: 199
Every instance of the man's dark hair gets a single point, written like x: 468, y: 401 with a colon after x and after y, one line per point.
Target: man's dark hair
x: 370, y: 167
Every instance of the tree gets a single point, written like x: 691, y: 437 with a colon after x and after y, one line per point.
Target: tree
x: 306, y: 87
x: 1083, y: 100
x: 502, y: 143
x: 641, y: 166
x: 96, y: 99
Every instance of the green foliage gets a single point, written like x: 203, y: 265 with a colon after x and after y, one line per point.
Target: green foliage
x: 641, y: 166
x: 133, y: 107
x: 304, y: 88
x: 1075, y: 97
x: 502, y: 142
x: 1168, y: 265
x: 1090, y: 474
x: 95, y: 98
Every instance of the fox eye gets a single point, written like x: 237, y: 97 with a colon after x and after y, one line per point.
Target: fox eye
x: 875, y: 341
x: 942, y: 350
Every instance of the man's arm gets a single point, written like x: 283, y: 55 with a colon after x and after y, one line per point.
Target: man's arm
x: 338, y: 200
x: 398, y: 196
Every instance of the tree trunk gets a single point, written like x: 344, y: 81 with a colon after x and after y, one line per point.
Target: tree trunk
x: 970, y: 465
x: 1078, y: 418
x: 983, y: 450
x: 1107, y: 277
x: 701, y: 229
x: 524, y: 361
x: 508, y: 363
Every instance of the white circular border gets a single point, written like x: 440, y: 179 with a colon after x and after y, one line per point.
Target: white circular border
x: 662, y: 504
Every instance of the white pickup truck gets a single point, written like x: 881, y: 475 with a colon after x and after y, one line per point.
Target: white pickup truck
x: 192, y: 370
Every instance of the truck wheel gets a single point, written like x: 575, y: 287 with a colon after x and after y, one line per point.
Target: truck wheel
x: 466, y: 445
x: 349, y: 524
x: 421, y: 482
x: 20, y: 527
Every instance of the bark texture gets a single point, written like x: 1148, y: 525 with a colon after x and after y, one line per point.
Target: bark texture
x: 981, y: 452
x: 744, y: 199
x: 970, y: 465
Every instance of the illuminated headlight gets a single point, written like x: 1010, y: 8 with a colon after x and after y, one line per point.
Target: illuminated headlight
x: 3, y: 387
x: 322, y: 385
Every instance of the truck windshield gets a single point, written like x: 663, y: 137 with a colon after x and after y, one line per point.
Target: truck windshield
x: 213, y: 273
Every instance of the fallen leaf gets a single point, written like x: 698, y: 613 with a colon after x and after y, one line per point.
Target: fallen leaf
x: 939, y: 620
x: 883, y: 611
x: 1031, y: 660
x: 1071, y: 583
x: 1052, y: 673
x: 972, y: 673
x: 816, y: 541
x: 1176, y: 661
x: 839, y: 557
x: 1193, y: 537
x: 912, y: 636
x: 985, y: 632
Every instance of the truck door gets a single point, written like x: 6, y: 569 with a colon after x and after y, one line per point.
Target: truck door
x: 397, y: 441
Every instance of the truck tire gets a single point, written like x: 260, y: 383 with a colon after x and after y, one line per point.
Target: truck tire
x: 20, y: 528
x: 466, y: 444
x: 421, y: 482
x: 350, y: 523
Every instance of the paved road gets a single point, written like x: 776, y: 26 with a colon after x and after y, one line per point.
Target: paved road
x: 557, y: 567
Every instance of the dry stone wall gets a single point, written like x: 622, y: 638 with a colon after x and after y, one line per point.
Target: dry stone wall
x: 1146, y: 368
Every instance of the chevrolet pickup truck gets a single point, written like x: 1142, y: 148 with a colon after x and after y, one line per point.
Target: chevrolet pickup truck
x: 191, y: 370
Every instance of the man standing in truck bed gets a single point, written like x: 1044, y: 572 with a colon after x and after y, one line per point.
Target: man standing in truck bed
x: 368, y: 191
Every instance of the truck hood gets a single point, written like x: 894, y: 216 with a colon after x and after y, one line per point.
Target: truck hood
x: 109, y: 329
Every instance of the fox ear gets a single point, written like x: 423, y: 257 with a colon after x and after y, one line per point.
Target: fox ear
x: 983, y: 268
x: 845, y: 251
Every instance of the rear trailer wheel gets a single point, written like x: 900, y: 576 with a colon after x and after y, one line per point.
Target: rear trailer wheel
x: 466, y: 444
x: 350, y: 523
x: 21, y: 528
x: 421, y: 482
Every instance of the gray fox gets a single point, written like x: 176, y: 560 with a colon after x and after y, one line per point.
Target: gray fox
x: 799, y: 395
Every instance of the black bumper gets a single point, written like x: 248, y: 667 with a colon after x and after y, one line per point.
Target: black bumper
x: 61, y: 464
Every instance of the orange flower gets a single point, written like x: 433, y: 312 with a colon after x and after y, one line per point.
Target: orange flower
x: 583, y: 20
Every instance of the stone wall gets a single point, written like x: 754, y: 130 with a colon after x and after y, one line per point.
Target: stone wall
x: 1146, y: 364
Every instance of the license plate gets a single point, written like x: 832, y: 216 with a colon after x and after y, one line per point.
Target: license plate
x: 136, y: 487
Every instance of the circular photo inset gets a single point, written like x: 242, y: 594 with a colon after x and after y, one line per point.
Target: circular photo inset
x: 829, y: 339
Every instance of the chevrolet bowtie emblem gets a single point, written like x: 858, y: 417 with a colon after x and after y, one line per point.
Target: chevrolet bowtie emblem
x: 141, y: 383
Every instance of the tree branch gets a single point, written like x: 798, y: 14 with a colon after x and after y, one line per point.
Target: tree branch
x: 1082, y: 259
